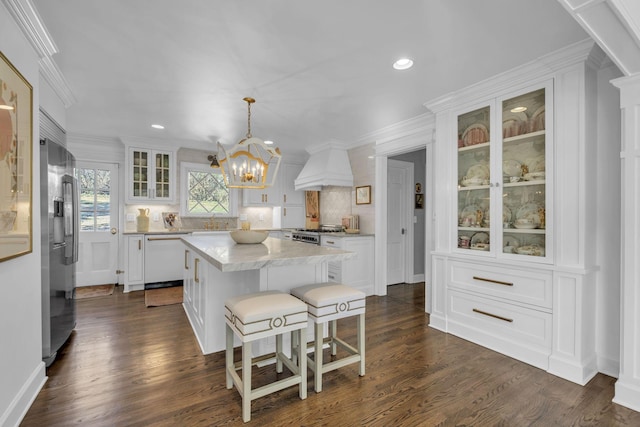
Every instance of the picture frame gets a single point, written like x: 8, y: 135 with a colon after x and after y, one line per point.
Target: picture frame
x: 419, y: 201
x: 363, y: 195
x: 16, y: 158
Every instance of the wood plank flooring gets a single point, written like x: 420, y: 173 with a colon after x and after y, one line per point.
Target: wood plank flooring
x: 128, y: 365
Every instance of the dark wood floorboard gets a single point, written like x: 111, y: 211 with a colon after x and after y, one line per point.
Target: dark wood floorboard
x: 128, y: 365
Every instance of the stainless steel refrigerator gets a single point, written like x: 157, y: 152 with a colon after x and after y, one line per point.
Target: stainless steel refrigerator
x: 59, y: 219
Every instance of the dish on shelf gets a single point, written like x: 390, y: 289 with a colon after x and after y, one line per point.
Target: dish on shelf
x: 535, y: 164
x: 533, y: 250
x: 480, y: 247
x: 510, y: 244
x: 478, y: 171
x: 480, y: 238
x: 513, y: 124
x: 511, y: 168
x: 469, y: 182
x: 525, y: 225
x: 534, y: 176
x: 529, y: 214
x: 475, y: 134
x: 471, y: 216
x: 536, y: 122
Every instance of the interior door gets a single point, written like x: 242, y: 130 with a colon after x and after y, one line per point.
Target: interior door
x: 98, y: 237
x: 397, y: 225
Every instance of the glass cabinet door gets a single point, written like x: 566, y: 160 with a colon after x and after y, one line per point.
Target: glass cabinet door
x: 140, y: 181
x: 162, y: 175
x: 524, y: 209
x: 474, y: 174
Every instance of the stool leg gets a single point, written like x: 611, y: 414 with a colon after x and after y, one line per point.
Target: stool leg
x: 360, y: 327
x: 229, y: 356
x: 333, y: 333
x: 294, y: 347
x: 246, y: 382
x: 302, y: 367
x: 318, y: 358
x: 278, y: 353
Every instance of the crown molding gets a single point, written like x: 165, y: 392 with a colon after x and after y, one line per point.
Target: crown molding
x: 419, y: 125
x: 26, y: 16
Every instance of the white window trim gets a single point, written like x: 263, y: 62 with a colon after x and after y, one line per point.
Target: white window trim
x: 185, y: 168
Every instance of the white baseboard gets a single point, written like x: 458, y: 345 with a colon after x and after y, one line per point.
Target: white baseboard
x: 627, y: 394
x: 609, y: 367
x: 25, y: 397
x: 417, y: 278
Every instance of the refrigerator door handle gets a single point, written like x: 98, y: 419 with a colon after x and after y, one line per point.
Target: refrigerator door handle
x: 70, y: 192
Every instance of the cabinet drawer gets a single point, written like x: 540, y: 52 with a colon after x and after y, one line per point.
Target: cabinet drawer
x: 526, y: 286
x: 504, y: 327
x: 331, y: 242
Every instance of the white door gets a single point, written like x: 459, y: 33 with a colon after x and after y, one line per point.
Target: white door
x: 398, y: 180
x: 98, y: 241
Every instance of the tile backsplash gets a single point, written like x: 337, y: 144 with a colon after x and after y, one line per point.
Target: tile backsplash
x: 335, y: 202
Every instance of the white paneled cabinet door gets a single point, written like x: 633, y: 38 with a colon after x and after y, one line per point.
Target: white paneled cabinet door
x: 397, y: 181
x: 98, y: 237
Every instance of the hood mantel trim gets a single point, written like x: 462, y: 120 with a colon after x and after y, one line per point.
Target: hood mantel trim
x: 328, y: 164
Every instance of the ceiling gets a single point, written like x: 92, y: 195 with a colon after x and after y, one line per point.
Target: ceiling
x: 319, y: 71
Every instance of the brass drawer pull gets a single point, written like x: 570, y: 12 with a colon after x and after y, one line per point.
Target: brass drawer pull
x: 186, y: 259
x: 151, y: 239
x: 493, y: 281
x: 196, y: 275
x: 506, y: 319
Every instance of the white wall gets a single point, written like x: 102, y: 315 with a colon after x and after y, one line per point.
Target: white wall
x: 21, y: 369
x: 608, y: 224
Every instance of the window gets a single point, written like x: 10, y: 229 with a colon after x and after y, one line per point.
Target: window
x: 203, y: 192
x: 95, y: 204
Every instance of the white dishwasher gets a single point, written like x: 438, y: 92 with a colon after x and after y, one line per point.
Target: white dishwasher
x: 163, y: 260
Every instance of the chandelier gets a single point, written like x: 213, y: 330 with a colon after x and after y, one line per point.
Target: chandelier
x: 250, y: 163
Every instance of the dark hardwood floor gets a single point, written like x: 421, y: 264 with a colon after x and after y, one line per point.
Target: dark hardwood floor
x: 128, y: 365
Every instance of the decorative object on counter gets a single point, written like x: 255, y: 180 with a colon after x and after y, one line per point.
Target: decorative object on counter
x: 246, y: 164
x: 351, y: 224
x: 246, y: 225
x: 249, y: 236
x: 363, y: 195
x: 142, y: 220
x: 171, y: 220
x: 16, y: 147
x: 312, y: 209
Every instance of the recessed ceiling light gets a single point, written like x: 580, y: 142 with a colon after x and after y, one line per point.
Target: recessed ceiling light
x: 5, y: 107
x: 157, y: 126
x: 403, y: 64
x: 518, y: 109
x: 268, y: 142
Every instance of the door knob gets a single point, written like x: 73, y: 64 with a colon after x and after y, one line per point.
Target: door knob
x: 402, y: 231
x: 114, y: 230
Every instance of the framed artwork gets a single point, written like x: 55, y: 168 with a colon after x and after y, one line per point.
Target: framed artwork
x: 16, y: 145
x: 363, y: 195
x: 419, y: 201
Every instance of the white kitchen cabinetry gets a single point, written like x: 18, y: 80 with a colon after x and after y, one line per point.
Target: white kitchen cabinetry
x: 513, y: 266
x: 357, y: 272
x: 195, y: 291
x: 134, y: 263
x: 151, y: 175
x: 293, y: 210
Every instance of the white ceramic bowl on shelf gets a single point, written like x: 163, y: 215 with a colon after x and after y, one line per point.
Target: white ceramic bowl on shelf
x: 249, y: 236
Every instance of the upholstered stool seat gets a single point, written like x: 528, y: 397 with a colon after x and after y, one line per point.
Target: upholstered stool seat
x: 328, y: 302
x: 260, y: 315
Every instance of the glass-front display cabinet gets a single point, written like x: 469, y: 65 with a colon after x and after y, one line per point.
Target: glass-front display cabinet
x: 151, y: 175
x: 503, y: 204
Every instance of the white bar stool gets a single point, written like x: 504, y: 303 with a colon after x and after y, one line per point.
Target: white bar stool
x: 260, y: 315
x: 328, y: 302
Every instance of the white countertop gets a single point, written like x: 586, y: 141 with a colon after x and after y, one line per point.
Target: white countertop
x: 225, y: 254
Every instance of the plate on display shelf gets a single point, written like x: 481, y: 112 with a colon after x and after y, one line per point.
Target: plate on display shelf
x: 536, y: 122
x: 478, y: 171
x: 510, y: 244
x: 533, y: 250
x: 480, y: 238
x: 534, y: 176
x: 513, y: 124
x: 480, y: 247
x: 511, y: 168
x: 529, y: 213
x: 535, y: 164
x: 506, y: 214
x: 475, y: 134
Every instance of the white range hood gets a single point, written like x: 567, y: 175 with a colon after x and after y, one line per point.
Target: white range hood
x: 328, y: 164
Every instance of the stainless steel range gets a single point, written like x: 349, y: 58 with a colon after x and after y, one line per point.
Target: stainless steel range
x: 313, y: 236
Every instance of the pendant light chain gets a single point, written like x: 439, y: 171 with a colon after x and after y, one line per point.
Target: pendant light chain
x: 249, y: 102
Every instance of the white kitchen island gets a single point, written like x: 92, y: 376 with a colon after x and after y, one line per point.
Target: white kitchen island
x: 216, y: 268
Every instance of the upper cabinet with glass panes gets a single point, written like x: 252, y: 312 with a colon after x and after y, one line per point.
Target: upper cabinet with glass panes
x: 503, y: 205
x: 150, y: 175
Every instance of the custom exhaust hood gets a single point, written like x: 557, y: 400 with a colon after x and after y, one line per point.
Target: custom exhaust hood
x: 328, y: 164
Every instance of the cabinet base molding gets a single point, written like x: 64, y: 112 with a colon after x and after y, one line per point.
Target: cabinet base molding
x: 132, y: 288
x: 628, y: 394
x: 572, y: 371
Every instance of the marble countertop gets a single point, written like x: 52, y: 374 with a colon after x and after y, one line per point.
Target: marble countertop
x: 225, y: 254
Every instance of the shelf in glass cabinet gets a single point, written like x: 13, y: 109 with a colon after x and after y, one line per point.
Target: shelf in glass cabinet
x: 524, y: 230
x: 524, y: 137
x: 523, y: 183
x: 475, y: 147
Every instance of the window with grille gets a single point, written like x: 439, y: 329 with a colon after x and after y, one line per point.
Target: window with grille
x: 204, y: 193
x: 95, y: 202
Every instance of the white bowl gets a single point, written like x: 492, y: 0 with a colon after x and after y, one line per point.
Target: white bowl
x: 249, y: 236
